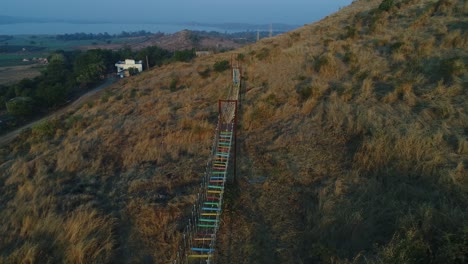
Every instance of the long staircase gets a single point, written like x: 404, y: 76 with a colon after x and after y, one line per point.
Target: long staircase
x: 199, y: 237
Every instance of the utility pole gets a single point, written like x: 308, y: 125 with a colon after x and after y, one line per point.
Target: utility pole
x: 147, y: 62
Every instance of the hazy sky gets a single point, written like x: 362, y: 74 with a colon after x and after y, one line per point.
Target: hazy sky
x: 246, y: 11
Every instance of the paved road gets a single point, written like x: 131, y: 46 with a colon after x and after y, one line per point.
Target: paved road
x: 7, y: 138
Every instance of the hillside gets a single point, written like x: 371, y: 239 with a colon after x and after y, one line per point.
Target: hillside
x: 353, y: 148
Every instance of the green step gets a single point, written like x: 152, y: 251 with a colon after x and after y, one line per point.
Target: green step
x: 211, y: 203
x: 208, y: 226
x: 208, y: 220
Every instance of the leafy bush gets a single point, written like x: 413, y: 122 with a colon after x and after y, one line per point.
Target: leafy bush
x: 304, y: 89
x: 184, y: 55
x: 2, y: 102
x: 133, y: 71
x: 386, y: 5
x: 221, y: 66
x: 453, y: 67
x: 264, y: 53
x: 72, y: 120
x: 173, y: 84
x: 351, y: 32
x: 44, y: 129
x: 205, y: 73
x: 20, y: 106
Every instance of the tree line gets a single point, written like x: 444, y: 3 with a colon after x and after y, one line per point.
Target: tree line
x: 70, y: 73
x: 104, y: 36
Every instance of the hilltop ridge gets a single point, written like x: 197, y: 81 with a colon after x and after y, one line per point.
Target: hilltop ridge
x: 352, y: 149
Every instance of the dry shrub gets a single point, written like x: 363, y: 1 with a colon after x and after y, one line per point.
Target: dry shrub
x: 309, y: 106
x: 155, y: 227
x: 455, y: 39
x: 367, y: 90
x: 88, y: 236
x: 327, y: 65
x: 255, y: 116
x: 338, y: 113
x: 426, y: 47
x: 413, y: 152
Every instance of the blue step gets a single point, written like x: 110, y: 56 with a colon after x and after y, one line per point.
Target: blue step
x: 211, y: 209
x: 208, y: 250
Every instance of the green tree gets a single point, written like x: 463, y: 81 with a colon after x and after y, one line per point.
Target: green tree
x: 56, y: 81
x: 2, y: 102
x: 132, y: 71
x: 125, y: 53
x: 155, y: 55
x: 24, y: 88
x: 386, y: 5
x: 52, y: 95
x: 221, y: 66
x: 20, y: 106
x: 184, y: 55
x: 89, y: 67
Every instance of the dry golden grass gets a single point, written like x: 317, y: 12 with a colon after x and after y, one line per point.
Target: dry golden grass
x: 367, y: 162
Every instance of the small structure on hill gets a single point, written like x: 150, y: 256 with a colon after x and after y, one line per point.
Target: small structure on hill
x: 203, y: 53
x: 124, y: 67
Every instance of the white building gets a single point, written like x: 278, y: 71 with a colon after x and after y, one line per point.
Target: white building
x: 123, y: 66
x: 203, y: 53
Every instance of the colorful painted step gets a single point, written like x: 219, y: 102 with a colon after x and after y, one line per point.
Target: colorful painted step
x: 212, y: 204
x: 216, y: 181
x: 207, y: 250
x: 211, y: 209
x: 209, y: 214
x: 209, y: 220
x: 201, y: 256
x: 203, y: 239
x: 204, y: 234
x: 207, y: 226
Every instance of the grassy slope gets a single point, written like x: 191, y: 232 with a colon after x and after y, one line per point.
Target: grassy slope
x: 366, y: 162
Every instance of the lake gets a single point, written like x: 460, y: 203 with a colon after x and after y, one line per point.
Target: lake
x: 63, y: 28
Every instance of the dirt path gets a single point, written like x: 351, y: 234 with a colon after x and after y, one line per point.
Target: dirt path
x: 7, y: 138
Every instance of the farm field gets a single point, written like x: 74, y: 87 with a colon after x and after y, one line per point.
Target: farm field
x: 13, y: 49
x: 12, y: 74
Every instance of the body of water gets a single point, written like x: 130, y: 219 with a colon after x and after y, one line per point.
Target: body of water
x: 70, y: 28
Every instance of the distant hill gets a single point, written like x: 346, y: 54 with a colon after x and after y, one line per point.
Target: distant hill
x: 16, y: 20
x: 244, y: 26
x: 182, y: 40
x: 353, y: 148
x: 10, y: 20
